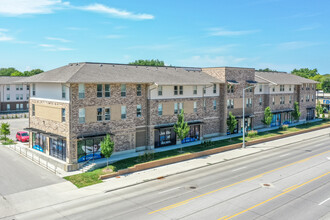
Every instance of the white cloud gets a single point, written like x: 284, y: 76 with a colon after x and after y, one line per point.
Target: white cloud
x: 114, y: 36
x: 203, y: 61
x: 59, y: 49
x: 293, y: 45
x: 46, y: 45
x: 99, y: 8
x: 5, y: 37
x: 22, y: 7
x: 58, y: 39
x: 224, y: 32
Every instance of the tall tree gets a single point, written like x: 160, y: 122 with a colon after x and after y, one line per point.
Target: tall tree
x: 231, y: 123
x: 325, y: 84
x: 296, y: 113
x: 268, y: 116
x: 7, y: 71
x: 107, y: 148
x: 319, y: 109
x: 148, y: 63
x: 181, y: 127
x: 305, y: 72
x: 266, y: 70
x: 5, y: 130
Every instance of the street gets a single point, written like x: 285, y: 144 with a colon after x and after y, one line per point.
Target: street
x: 290, y: 182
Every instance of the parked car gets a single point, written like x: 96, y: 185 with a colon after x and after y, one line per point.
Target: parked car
x: 22, y: 136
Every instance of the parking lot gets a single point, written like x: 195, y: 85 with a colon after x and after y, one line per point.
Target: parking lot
x: 16, y: 125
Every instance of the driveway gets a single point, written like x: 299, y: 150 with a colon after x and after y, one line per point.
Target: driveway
x: 16, y: 125
x: 18, y: 174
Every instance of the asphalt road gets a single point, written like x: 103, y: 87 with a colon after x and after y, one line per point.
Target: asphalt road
x: 290, y: 182
x: 18, y: 174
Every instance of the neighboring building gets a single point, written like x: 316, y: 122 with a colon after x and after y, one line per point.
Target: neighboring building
x: 14, y: 95
x: 73, y: 107
x: 323, y: 98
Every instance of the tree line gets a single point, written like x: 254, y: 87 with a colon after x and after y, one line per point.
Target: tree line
x: 11, y: 71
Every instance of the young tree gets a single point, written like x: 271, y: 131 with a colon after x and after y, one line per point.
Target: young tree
x: 5, y: 130
x: 181, y: 127
x: 107, y: 147
x: 268, y: 116
x: 319, y: 109
x: 296, y: 113
x: 231, y: 123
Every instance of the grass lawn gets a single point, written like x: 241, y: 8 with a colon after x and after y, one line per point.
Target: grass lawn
x: 90, y: 178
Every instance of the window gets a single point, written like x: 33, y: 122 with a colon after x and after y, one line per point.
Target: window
x: 20, y: 87
x: 138, y: 111
x: 312, y: 86
x: 160, y: 90
x: 33, y: 89
x: 17, y: 106
x: 63, y: 114
x: 99, y: 114
x: 181, y: 90
x: 290, y: 88
x: 123, y: 91
x: 33, y: 110
x: 273, y: 88
x: 195, y: 107
x: 160, y: 109
x: 260, y: 101
x: 307, y: 86
x: 215, y: 104
x: 282, y: 88
x: 250, y: 89
x: 175, y: 108
x: 307, y: 98
x: 230, y: 88
x: 17, y: 97
x: 107, y: 92
x: 248, y: 102
x: 8, y: 107
x: 180, y: 107
x: 195, y: 90
x: 21, y: 106
x: 138, y: 90
x: 63, y: 92
x: 204, y: 104
x: 290, y: 99
x: 260, y: 88
x: 107, y: 115
x: 302, y: 87
x: 27, y: 87
x: 230, y: 103
x: 175, y: 90
x: 8, y: 96
x: 21, y: 97
x: 204, y: 90
x: 27, y: 96
x: 81, y: 115
x: 8, y: 87
x: 81, y: 88
x: 17, y: 87
x: 273, y: 101
x: 99, y: 90
x: 312, y: 98
x: 282, y: 100
x: 123, y: 111
x: 214, y: 88
x: 302, y: 99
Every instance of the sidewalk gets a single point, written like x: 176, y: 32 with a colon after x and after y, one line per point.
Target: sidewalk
x: 59, y: 193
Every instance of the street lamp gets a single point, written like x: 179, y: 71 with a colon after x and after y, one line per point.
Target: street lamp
x: 243, y: 146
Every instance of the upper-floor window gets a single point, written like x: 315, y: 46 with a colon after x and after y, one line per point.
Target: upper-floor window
x: 63, y: 114
x: 63, y: 92
x: 195, y: 107
x: 27, y: 96
x: 312, y: 86
x: 178, y: 107
x: 138, y: 111
x: 260, y: 100
x: 8, y: 107
x: 81, y: 115
x: 107, y: 115
x: 27, y: 87
x: 260, y: 88
x: 17, y: 87
x: 230, y: 88
x: 107, y: 92
x: 204, y: 90
x: 8, y: 87
x: 160, y: 90
x: 230, y: 103
x: 302, y: 98
x: 249, y: 102
x: 123, y: 91
x: 204, y: 104
x: 282, y: 88
x: 250, y: 89
x: 99, y: 114
x: 138, y: 90
x: 312, y: 98
x: 33, y: 110
x: 21, y: 97
x: 307, y: 86
x: 290, y: 88
x: 273, y: 100
x: 33, y: 89
x: 175, y: 108
x: 290, y: 99
x: 160, y: 109
x: 302, y: 87
x: 175, y: 90
x: 282, y: 100
x: 181, y: 90
x: 214, y: 104
x: 81, y: 92
x: 214, y: 88
x: 123, y: 112
x: 17, y: 96
x: 307, y: 98
x: 99, y: 92
x: 8, y: 97
x: 195, y: 90
x: 273, y: 88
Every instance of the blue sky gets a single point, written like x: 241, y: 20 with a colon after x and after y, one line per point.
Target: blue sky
x: 278, y: 34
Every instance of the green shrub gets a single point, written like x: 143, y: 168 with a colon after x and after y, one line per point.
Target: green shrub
x: 24, y: 115
x: 252, y: 133
x: 2, y: 117
x: 16, y: 116
x: 284, y: 127
x: 145, y: 157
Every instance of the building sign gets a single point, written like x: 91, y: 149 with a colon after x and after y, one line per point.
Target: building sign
x: 326, y: 102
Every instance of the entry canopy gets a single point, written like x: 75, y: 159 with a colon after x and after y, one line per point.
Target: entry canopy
x: 232, y: 82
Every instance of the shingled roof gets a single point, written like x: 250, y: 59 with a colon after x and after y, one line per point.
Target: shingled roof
x: 281, y: 78
x: 6, y: 80
x: 121, y: 73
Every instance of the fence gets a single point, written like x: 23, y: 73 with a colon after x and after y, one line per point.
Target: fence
x: 34, y: 157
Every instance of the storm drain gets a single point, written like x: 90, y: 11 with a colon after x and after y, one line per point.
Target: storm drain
x: 266, y: 185
x: 160, y: 178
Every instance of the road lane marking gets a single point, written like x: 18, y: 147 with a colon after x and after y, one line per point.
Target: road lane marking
x: 281, y: 194
x: 223, y: 217
x: 284, y: 155
x: 249, y: 179
x: 241, y: 168
x: 165, y: 191
x: 321, y: 203
x: 289, y: 188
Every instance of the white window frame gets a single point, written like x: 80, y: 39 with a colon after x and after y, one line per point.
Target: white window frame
x: 123, y: 112
x: 160, y: 109
x: 82, y: 115
x: 81, y: 91
x: 107, y: 114
x: 160, y: 90
x: 123, y: 90
x: 138, y: 111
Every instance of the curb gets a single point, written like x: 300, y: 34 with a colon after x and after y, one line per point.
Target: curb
x: 210, y: 164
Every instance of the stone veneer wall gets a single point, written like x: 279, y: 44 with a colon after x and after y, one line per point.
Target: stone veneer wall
x: 304, y: 105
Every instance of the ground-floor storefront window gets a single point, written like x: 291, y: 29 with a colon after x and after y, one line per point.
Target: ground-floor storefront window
x: 89, y: 149
x: 276, y: 120
x: 287, y: 118
x: 194, y: 134
x: 165, y: 137
x: 310, y: 114
x: 248, y: 124
x: 39, y: 142
x: 57, y: 148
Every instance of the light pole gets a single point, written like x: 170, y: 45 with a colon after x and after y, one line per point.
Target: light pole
x: 243, y: 146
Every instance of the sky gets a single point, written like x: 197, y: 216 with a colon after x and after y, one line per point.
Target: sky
x: 276, y: 34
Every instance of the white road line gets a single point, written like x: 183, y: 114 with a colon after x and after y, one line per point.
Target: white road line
x: 169, y: 190
x: 324, y: 201
x: 284, y: 155
x: 241, y: 168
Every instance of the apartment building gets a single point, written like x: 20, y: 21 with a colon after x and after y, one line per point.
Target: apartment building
x: 14, y: 95
x: 73, y: 107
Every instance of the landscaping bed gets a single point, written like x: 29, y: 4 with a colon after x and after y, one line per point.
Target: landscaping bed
x: 157, y: 159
